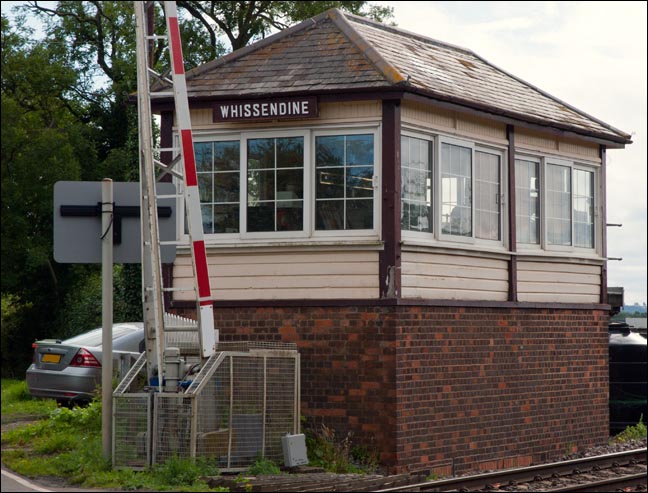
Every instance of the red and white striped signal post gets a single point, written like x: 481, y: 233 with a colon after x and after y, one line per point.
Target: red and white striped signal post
x: 152, y: 290
x: 192, y: 197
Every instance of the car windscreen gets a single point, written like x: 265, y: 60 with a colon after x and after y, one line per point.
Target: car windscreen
x: 93, y: 338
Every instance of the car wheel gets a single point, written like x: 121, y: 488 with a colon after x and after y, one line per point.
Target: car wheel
x: 65, y: 403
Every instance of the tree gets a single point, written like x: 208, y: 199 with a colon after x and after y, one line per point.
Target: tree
x: 42, y: 143
x: 243, y: 22
x: 68, y: 114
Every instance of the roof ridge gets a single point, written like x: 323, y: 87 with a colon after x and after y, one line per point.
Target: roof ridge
x: 390, y: 72
x: 411, y: 34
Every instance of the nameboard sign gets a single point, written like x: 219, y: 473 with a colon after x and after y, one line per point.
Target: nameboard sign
x: 266, y: 109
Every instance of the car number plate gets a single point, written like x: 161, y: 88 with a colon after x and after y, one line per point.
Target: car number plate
x: 51, y: 358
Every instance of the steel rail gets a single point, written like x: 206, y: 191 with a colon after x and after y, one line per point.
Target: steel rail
x: 611, y: 484
x: 526, y: 474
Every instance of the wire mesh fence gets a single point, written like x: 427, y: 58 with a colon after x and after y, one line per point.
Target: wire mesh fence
x: 237, y: 409
x: 131, y: 425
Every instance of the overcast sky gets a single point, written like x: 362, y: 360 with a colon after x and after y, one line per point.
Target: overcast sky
x: 591, y: 55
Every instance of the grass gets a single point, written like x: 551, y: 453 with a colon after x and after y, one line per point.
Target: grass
x: 19, y: 405
x: 66, y: 443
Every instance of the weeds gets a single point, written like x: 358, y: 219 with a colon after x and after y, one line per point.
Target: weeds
x: 632, y: 432
x: 264, y: 466
x: 327, y: 451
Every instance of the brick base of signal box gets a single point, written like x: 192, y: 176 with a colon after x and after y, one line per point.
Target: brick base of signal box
x: 444, y: 389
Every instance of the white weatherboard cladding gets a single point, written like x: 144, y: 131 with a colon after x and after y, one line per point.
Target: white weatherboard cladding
x: 453, y: 277
x: 286, y: 275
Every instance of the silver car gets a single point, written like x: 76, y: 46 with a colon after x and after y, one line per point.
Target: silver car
x: 70, y: 370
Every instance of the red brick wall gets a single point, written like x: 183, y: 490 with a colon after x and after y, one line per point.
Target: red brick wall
x: 449, y: 389
x: 492, y: 388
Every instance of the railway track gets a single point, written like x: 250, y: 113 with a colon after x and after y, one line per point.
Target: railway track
x: 609, y: 472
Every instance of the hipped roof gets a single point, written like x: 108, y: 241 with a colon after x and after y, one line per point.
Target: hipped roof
x: 337, y: 52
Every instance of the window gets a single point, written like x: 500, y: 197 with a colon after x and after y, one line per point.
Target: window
x: 416, y: 184
x: 292, y: 183
x: 468, y: 189
x: 487, y: 196
x: 568, y: 193
x: 456, y: 190
x: 527, y: 201
x: 217, y: 167
x: 344, y: 166
x: 558, y: 207
x: 583, y: 208
x: 275, y: 184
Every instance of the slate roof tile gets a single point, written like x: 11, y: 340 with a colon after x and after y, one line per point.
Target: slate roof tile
x: 335, y: 51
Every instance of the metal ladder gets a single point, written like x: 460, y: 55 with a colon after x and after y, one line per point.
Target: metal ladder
x: 152, y: 289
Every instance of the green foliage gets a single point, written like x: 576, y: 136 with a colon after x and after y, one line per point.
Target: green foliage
x: 18, y: 404
x: 178, y: 471
x: 263, y: 466
x: 245, y: 22
x: 67, y: 444
x: 366, y: 458
x: 635, y: 432
x: 327, y: 451
x: 623, y: 315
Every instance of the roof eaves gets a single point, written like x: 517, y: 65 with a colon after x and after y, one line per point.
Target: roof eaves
x: 390, y: 72
x: 627, y: 137
x: 513, y: 117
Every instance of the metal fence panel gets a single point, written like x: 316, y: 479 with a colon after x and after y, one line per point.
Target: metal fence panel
x: 172, y: 427
x: 131, y: 427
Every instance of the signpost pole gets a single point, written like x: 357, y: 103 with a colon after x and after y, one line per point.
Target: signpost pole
x: 106, y: 314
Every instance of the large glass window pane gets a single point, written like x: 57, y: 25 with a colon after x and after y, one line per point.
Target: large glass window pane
x: 261, y: 153
x: 359, y: 214
x: 359, y: 150
x: 416, y: 184
x: 329, y: 151
x: 226, y: 187
x: 207, y: 218
x: 329, y: 214
x: 206, y: 187
x: 330, y: 183
x: 226, y: 156
x: 290, y: 215
x: 203, y: 156
x: 487, y: 196
x: 217, y: 165
x: 275, y: 183
x: 260, y: 186
x: 559, y: 205
x: 261, y: 217
x: 456, y: 190
x: 226, y: 218
x: 527, y: 202
x: 359, y: 182
x: 290, y: 152
x: 344, y: 182
x: 583, y: 208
